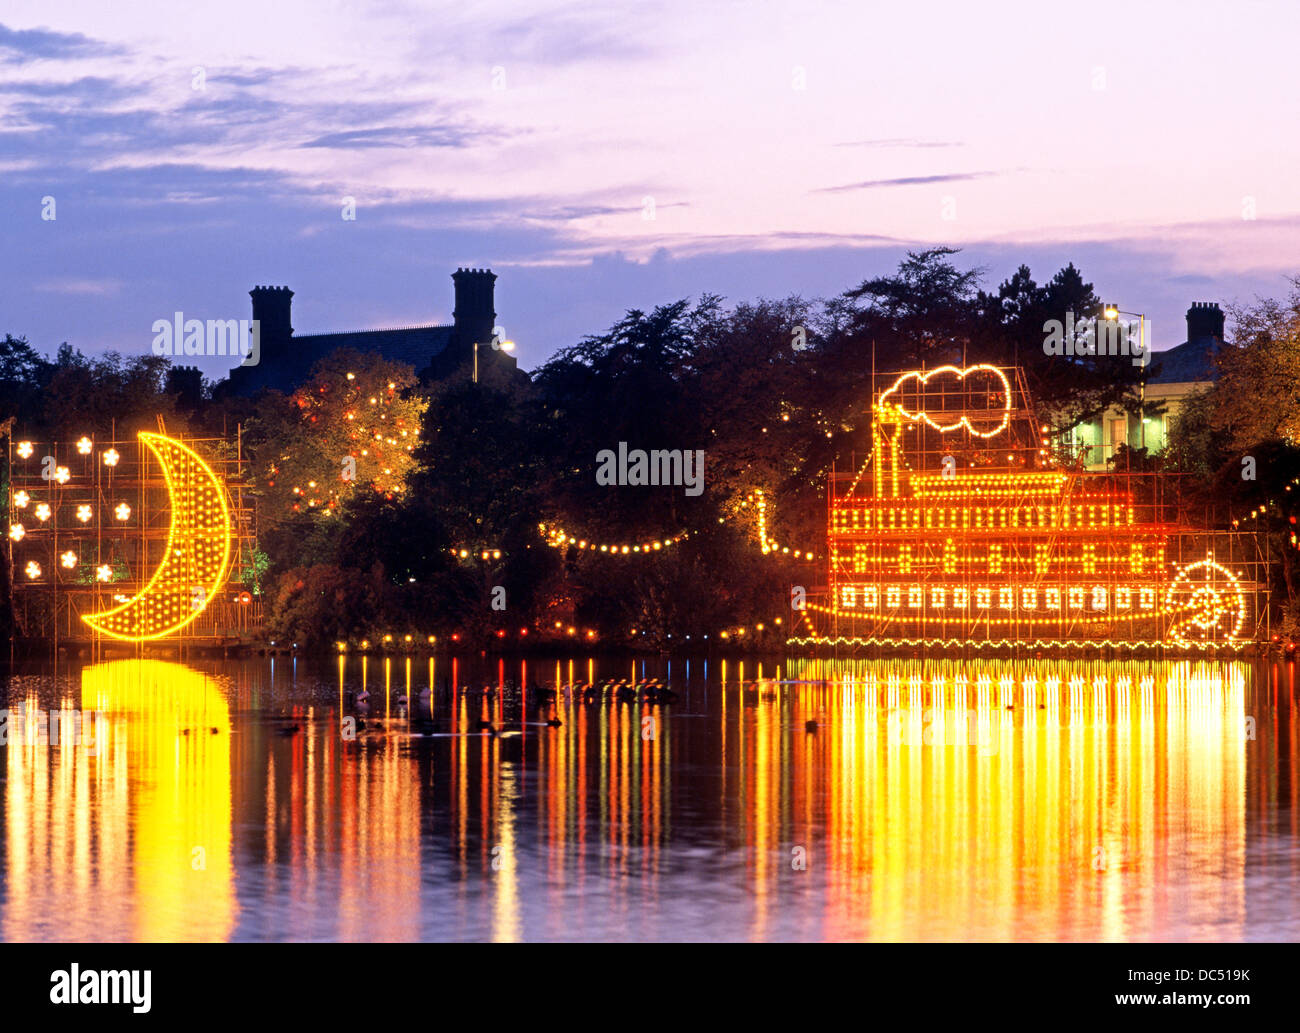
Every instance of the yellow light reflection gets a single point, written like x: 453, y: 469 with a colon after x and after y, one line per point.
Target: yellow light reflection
x: 130, y: 830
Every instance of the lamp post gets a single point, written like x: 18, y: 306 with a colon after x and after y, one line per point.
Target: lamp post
x: 1112, y: 313
x: 504, y: 346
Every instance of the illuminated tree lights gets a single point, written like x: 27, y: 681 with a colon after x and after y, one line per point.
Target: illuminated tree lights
x: 348, y: 429
x: 1008, y: 556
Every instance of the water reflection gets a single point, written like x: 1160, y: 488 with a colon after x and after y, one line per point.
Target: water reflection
x: 403, y: 798
x: 128, y: 829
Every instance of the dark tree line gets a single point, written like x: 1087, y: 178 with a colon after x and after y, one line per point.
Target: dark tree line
x: 775, y: 391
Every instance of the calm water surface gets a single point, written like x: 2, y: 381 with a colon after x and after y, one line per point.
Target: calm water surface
x: 991, y: 800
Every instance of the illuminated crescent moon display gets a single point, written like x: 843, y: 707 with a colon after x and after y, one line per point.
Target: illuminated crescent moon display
x: 197, y: 558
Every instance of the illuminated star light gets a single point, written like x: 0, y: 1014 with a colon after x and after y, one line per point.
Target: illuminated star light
x: 68, y: 559
x: 122, y: 511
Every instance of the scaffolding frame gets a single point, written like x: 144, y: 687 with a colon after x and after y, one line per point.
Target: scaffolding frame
x: 86, y: 530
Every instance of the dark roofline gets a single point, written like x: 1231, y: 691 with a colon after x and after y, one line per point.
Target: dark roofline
x: 381, y: 330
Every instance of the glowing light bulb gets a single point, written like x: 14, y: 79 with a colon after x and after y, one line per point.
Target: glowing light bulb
x: 17, y: 532
x: 68, y: 559
x: 111, y: 457
x: 62, y: 475
x: 42, y: 511
x: 25, y: 449
x: 83, y: 513
x: 33, y: 570
x: 84, y: 446
x: 103, y: 572
x: 123, y: 511
x: 21, y: 498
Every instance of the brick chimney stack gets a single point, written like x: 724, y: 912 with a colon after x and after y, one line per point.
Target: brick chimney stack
x: 1205, y: 319
x: 475, y: 313
x: 271, y: 307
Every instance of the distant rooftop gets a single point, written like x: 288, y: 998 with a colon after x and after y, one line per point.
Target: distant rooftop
x: 1193, y: 361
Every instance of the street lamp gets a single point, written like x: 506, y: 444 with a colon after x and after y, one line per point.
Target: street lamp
x: 1112, y: 313
x: 500, y: 346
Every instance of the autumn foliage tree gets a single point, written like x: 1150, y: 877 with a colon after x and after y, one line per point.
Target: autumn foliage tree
x: 353, y: 427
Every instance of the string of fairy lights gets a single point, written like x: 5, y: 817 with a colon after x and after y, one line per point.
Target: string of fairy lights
x: 558, y: 537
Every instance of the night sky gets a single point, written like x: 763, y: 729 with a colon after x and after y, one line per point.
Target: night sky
x: 788, y: 148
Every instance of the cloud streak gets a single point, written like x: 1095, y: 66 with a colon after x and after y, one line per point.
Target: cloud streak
x: 905, y: 181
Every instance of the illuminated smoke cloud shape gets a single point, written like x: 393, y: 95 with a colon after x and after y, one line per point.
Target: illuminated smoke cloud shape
x: 934, y: 398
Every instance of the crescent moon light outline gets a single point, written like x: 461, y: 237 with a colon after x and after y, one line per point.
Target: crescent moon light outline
x: 199, y: 532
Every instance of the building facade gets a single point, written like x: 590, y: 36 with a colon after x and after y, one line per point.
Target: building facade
x: 1177, y: 373
x: 437, y: 351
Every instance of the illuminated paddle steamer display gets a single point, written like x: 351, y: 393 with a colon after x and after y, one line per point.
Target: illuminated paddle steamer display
x: 964, y: 526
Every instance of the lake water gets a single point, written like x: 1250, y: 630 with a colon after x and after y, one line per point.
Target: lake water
x: 954, y: 799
